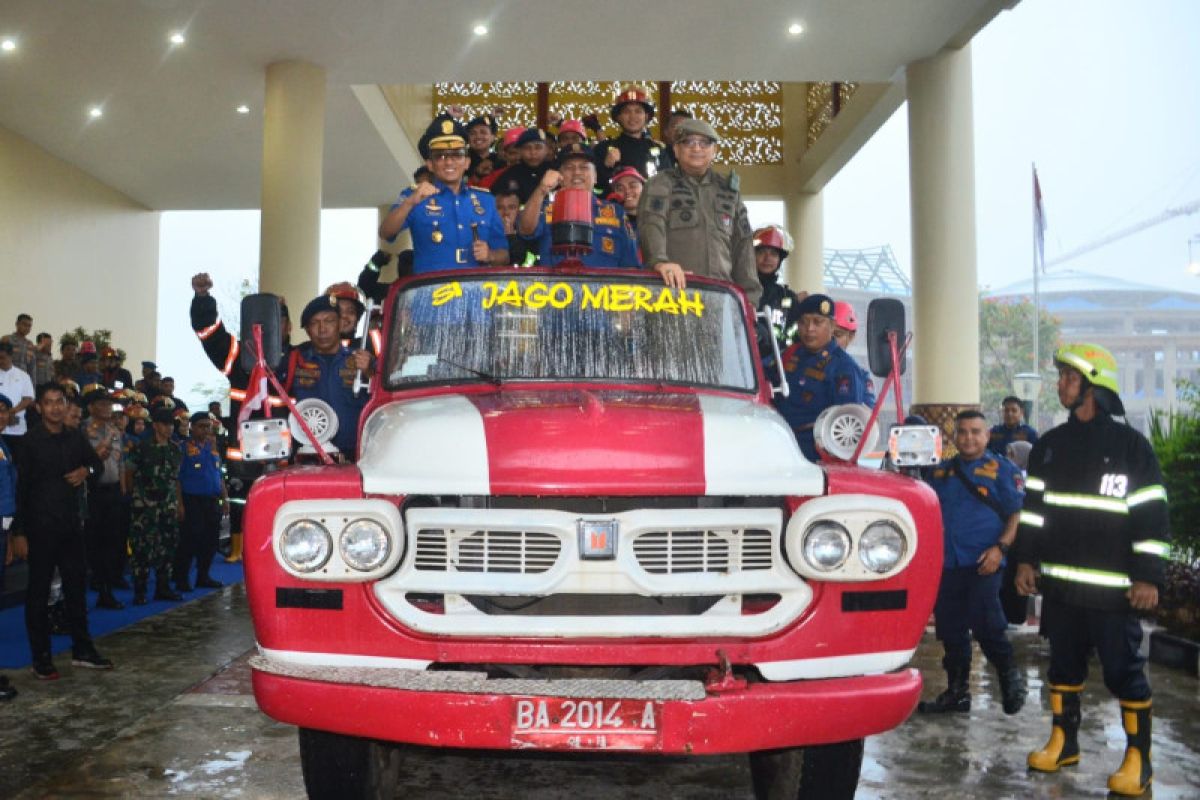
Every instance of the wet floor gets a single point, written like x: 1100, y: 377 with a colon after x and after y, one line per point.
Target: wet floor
x: 176, y: 719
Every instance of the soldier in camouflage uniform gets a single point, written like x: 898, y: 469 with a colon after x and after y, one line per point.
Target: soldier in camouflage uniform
x: 154, y: 476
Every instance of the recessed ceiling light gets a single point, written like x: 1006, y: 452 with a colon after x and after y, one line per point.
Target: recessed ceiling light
x: 481, y: 30
x: 795, y: 29
x: 8, y: 45
x: 177, y: 38
x: 95, y: 112
x: 243, y: 109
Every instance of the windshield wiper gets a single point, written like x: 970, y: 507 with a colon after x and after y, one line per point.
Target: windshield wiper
x: 495, y: 380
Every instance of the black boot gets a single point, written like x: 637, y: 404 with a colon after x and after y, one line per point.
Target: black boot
x: 108, y: 600
x: 956, y: 698
x: 1012, y: 688
x: 163, y: 590
x: 139, y: 591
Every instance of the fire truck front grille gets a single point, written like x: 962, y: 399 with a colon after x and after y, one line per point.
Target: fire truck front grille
x: 490, y: 551
x: 529, y: 572
x: 674, y: 552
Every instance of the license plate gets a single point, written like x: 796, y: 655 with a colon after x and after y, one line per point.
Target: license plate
x: 559, y: 723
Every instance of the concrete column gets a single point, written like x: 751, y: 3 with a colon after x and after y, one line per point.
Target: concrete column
x: 945, y: 286
x: 1170, y: 370
x: 293, y: 144
x: 805, y: 267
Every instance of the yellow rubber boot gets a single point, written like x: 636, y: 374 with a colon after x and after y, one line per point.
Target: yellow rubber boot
x: 235, y: 547
x: 1135, y: 773
x: 1062, y: 749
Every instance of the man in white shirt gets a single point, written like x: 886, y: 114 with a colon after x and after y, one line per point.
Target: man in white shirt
x: 15, y: 384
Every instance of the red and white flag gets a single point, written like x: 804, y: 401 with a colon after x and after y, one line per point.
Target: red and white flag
x: 1039, y: 221
x: 257, y: 394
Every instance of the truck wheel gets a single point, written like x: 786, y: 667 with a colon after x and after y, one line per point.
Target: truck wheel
x: 337, y: 766
x: 820, y: 772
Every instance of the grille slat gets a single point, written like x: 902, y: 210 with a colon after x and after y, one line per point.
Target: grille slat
x: 718, y: 551
x: 522, y: 552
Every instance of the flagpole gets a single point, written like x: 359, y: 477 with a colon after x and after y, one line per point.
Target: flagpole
x: 1037, y: 300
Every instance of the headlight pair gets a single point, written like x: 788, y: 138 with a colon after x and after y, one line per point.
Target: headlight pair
x: 827, y: 545
x: 363, y: 545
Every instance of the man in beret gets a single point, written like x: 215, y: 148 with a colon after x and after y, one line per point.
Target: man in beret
x: 819, y: 373
x: 453, y: 225
x: 204, y: 502
x: 325, y: 368
x: 152, y: 473
x: 612, y: 241
x: 692, y: 219
x: 633, y: 147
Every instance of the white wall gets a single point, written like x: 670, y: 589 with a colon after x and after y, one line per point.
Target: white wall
x: 73, y: 251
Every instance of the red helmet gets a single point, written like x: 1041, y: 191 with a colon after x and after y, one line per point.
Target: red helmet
x: 843, y: 316
x: 633, y: 94
x: 774, y: 236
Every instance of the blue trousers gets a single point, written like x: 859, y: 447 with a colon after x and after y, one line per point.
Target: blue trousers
x: 968, y: 604
x: 1116, y: 636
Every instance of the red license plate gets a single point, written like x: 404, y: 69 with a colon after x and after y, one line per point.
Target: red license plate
x: 559, y: 723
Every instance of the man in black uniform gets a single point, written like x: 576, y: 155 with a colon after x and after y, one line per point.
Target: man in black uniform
x: 771, y: 246
x: 53, y: 464
x: 524, y: 176
x: 634, y: 147
x: 1095, y: 521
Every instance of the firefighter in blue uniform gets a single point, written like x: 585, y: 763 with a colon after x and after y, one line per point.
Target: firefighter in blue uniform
x: 980, y: 494
x: 819, y: 373
x: 1013, y: 428
x: 453, y: 225
x: 1095, y: 522
x: 325, y: 368
x: 613, y: 244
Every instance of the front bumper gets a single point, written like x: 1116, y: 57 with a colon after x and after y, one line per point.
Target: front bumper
x: 445, y: 710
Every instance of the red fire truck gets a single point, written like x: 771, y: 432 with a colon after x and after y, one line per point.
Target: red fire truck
x: 576, y: 523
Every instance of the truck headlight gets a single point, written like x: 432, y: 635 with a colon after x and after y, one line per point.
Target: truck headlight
x: 364, y: 544
x: 826, y: 545
x: 305, y: 545
x: 881, y: 547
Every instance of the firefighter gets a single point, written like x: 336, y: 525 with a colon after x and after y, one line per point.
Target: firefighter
x: 845, y: 328
x: 1095, y: 521
x: 771, y: 246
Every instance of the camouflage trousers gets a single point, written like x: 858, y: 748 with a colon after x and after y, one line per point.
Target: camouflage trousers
x: 153, y: 537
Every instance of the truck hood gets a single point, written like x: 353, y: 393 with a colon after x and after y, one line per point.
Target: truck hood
x: 573, y: 442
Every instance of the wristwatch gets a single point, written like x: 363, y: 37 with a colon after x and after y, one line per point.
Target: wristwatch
x: 1003, y: 548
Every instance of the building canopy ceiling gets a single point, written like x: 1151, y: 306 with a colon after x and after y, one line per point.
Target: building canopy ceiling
x: 171, y: 138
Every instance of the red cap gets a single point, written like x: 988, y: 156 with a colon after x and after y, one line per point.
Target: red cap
x: 510, y: 136
x: 88, y: 346
x: 627, y: 172
x: 844, y: 317
x: 572, y: 126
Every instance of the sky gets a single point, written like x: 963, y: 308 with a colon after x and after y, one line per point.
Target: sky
x: 1102, y: 95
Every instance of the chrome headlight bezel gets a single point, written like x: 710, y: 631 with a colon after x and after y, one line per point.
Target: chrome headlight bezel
x: 305, y: 533
x: 827, y: 535
x: 336, y: 517
x: 360, y: 532
x: 873, y: 537
x: 855, y: 513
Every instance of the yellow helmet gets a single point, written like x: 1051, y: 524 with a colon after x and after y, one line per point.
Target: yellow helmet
x: 1097, y: 365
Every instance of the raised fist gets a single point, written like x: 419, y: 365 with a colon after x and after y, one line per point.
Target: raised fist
x: 612, y: 157
x: 423, y: 192
x: 201, y: 283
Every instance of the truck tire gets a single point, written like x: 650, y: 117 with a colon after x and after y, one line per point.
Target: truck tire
x: 820, y: 772
x: 337, y: 766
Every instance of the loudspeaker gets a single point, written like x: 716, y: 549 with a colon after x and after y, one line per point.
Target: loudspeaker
x: 261, y: 309
x: 883, y: 315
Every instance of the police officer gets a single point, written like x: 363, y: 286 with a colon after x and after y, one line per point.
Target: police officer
x: 771, y: 246
x: 633, y: 147
x: 1095, y: 520
x: 454, y: 226
x: 152, y: 467
x: 819, y: 373
x: 204, y: 501
x: 325, y: 368
x: 612, y: 240
x: 690, y: 219
x: 105, y: 528
x: 980, y: 494
x: 1013, y: 428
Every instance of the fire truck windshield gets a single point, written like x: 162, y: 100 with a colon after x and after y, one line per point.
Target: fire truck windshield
x: 614, y: 328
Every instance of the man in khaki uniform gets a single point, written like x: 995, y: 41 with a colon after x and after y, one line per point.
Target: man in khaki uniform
x: 690, y: 219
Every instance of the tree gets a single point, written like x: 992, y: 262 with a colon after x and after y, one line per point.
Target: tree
x: 1006, y: 348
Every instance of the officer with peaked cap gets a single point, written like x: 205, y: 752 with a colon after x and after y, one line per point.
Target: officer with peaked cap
x: 453, y: 225
x: 692, y: 219
x: 819, y: 373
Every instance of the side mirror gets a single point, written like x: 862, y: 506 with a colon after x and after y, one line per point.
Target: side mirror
x: 885, y: 315
x: 261, y: 309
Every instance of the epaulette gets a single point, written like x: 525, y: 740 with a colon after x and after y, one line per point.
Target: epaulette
x: 480, y: 189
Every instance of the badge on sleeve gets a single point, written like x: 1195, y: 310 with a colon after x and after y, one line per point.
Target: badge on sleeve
x: 843, y: 385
